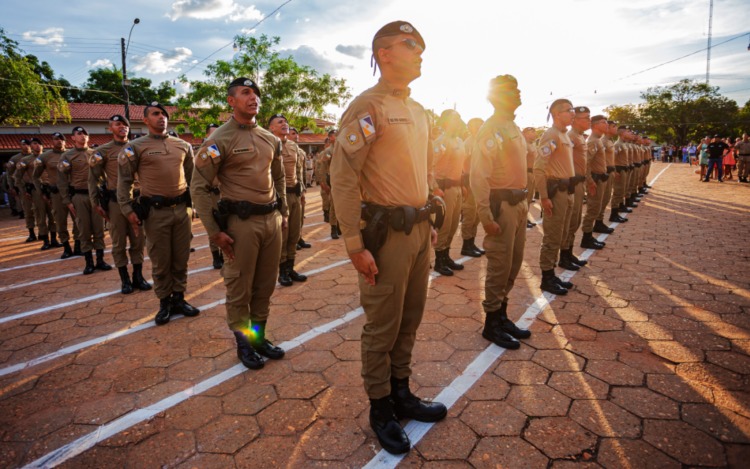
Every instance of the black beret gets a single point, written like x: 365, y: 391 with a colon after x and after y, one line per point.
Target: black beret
x: 35, y: 139
x: 119, y: 118
x: 58, y: 135
x: 598, y: 118
x: 156, y: 105
x: 582, y: 110
x: 79, y: 129
x: 717, y: 136
x: 242, y: 81
x: 612, y: 122
x: 25, y: 141
x: 172, y: 133
x: 396, y: 28
x: 211, y: 126
x: 293, y: 129
x: 276, y: 116
x: 624, y: 127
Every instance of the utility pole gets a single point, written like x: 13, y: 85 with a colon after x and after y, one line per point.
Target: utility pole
x: 125, y: 81
x: 708, y: 49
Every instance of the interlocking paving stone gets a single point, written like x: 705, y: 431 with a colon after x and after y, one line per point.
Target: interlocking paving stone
x: 559, y: 437
x: 684, y: 442
x: 625, y: 453
x: 506, y: 452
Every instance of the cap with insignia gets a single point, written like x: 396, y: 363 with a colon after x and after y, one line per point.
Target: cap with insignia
x: 624, y: 127
x: 211, y: 126
x: 612, y: 122
x: 598, y: 118
x: 172, y: 133
x: 25, y: 141
x: 119, y: 118
x: 79, y: 129
x: 397, y: 28
x: 581, y: 110
x: 242, y: 81
x: 35, y: 139
x: 156, y: 105
x: 276, y: 116
x: 58, y: 135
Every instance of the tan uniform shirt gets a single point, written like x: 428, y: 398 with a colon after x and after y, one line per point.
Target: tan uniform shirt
x: 73, y: 171
x: 291, y: 159
x: 246, y: 160
x: 596, y: 156
x: 580, y: 150
x: 103, y: 168
x: 621, y: 153
x: 555, y: 159
x: 531, y: 153
x: 743, y: 148
x: 45, y: 170
x: 498, y: 161
x: 609, y: 150
x: 469, y: 148
x: 25, y: 170
x: 324, y: 164
x: 302, y: 176
x: 164, y: 166
x: 449, y: 154
x: 382, y: 156
x: 11, y: 167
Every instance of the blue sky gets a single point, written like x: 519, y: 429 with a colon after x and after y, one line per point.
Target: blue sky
x: 587, y: 50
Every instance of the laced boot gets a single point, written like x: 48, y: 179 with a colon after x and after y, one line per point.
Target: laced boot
x: 386, y: 427
x: 600, y: 227
x: 450, y: 262
x: 468, y: 249
x: 77, y: 248
x: 100, y: 264
x: 90, y: 267
x: 508, y: 326
x: 575, y: 260
x: 565, y: 261
x: 563, y: 283
x: 218, y: 259
x: 284, y: 279
x: 623, y: 209
x: 32, y: 236
x: 165, y: 311
x: 67, y: 251
x: 440, y: 266
x: 179, y: 305
x: 494, y: 332
x: 262, y: 345
x: 293, y: 274
x: 126, y: 287
x: 138, y: 281
x: 53, y: 240
x: 302, y: 244
x: 550, y: 283
x: 45, y: 242
x: 589, y: 242
x: 246, y: 353
x: 408, y: 406
x: 334, y: 232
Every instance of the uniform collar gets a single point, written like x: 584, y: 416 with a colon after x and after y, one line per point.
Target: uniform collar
x: 163, y: 136
x: 396, y: 92
x: 121, y: 144
x: 237, y: 125
x: 504, y: 115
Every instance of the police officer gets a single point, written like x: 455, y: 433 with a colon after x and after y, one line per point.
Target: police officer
x: 529, y: 134
x: 449, y: 155
x: 622, y: 149
x: 469, y: 218
x: 248, y: 221
x: 45, y: 221
x: 498, y: 177
x: 45, y: 179
x: 324, y: 179
x: 218, y: 258
x: 293, y: 168
x: 614, y: 176
x: 382, y: 160
x: 742, y: 147
x: 596, y: 181
x: 307, y: 175
x: 16, y: 195
x: 553, y: 171
x: 25, y: 185
x: 103, y: 194
x: 164, y: 165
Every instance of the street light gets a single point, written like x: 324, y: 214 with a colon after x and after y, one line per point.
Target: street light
x: 125, y: 81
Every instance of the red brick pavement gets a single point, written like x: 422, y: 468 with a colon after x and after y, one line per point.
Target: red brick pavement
x: 645, y: 364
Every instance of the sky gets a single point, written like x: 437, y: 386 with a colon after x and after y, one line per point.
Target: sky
x: 595, y: 53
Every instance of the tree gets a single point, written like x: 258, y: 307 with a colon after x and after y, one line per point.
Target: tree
x: 297, y: 91
x: 28, y: 95
x: 627, y: 114
x: 104, y: 86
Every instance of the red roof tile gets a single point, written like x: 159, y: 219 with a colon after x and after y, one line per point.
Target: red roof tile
x: 102, y: 112
x: 10, y: 142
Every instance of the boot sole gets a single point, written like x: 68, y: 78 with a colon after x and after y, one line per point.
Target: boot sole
x: 436, y: 418
x: 505, y: 345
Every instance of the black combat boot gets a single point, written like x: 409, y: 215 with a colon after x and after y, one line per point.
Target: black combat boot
x: 284, y: 279
x: 138, y: 281
x: 77, y: 248
x: 550, y: 283
x: 563, y: 283
x: 45, y: 242
x: 615, y: 217
x: 262, y: 345
x: 589, y: 242
x: 15, y: 213
x: 408, y: 406
x: 246, y: 353
x: 629, y: 202
x: 21, y: 215
x: 302, y: 244
x: 326, y: 218
x: 67, y: 252
x: 165, y: 310
x: 126, y: 287
x: 575, y: 260
x: 566, y: 262
x: 218, y: 259
x: 468, y: 249
x: 623, y: 209
x: 100, y: 264
x: 90, y: 267
x: 53, y: 240
x: 530, y: 225
x: 508, y: 326
x: 386, y: 427
x: 450, y: 262
x: 32, y: 236
x: 334, y: 232
x: 440, y: 266
x: 494, y: 332
x: 293, y: 274
x: 179, y: 305
x: 600, y: 227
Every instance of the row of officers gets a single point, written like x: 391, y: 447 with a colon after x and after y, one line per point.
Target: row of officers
x: 397, y: 192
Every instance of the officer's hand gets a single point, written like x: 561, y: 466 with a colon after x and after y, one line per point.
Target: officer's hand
x: 135, y: 222
x: 438, y: 192
x: 72, y: 210
x: 46, y: 199
x: 102, y: 213
x: 365, y: 265
x: 617, y: 176
x: 592, y: 189
x: 224, y: 242
x: 325, y: 187
x: 547, y: 207
x: 492, y: 228
x: 284, y: 223
x: 433, y: 236
x: 302, y: 200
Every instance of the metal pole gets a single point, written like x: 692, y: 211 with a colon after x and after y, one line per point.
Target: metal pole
x: 125, y: 80
x: 708, y: 50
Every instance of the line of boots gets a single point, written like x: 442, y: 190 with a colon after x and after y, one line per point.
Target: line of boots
x: 444, y: 265
x: 470, y: 249
x: 68, y: 252
x: 91, y: 266
x: 287, y: 274
x: 253, y: 346
x: 569, y: 261
x: 49, y: 241
x: 554, y: 284
x: 386, y: 412
x: 128, y: 286
x: 499, y: 329
x: 174, y: 304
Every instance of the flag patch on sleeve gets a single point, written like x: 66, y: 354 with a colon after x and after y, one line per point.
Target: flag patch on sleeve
x: 367, y: 126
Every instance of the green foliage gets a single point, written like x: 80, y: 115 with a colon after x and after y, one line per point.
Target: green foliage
x: 29, y: 93
x: 104, y: 86
x: 297, y: 91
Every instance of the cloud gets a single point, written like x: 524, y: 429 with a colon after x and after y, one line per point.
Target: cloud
x: 158, y: 62
x: 213, y: 9
x: 306, y: 55
x: 101, y: 63
x: 50, y: 36
x: 353, y: 51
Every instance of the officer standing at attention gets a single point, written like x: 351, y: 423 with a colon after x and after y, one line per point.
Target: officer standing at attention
x: 218, y: 258
x: 293, y: 168
x: 553, y: 171
x: 306, y: 175
x: 45, y: 179
x: 15, y: 191
x: 498, y: 176
x: 324, y: 179
x: 529, y: 134
x: 45, y: 221
x: 742, y: 147
x: 596, y: 181
x: 248, y: 221
x: 469, y: 218
x: 614, y: 176
x: 622, y: 149
x: 164, y: 166
x: 103, y: 194
x: 383, y: 162
x: 449, y: 156
x: 25, y: 185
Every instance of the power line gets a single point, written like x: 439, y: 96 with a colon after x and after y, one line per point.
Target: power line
x: 50, y: 85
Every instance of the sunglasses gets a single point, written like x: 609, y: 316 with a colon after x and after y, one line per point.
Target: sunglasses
x: 410, y: 44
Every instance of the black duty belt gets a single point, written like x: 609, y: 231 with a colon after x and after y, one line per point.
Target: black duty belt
x: 621, y: 169
x: 512, y: 196
x: 637, y: 165
x: 29, y: 187
x: 399, y: 218
x: 52, y: 189
x: 599, y: 177
x: 296, y: 190
x: 214, y: 190
x: 446, y: 184
x: 575, y: 180
x: 611, y: 169
x: 245, y: 209
x: 80, y: 191
x: 159, y: 201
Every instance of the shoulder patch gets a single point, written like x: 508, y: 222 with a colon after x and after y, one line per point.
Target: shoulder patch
x: 548, y: 148
x: 213, y: 151
x: 353, y: 134
x: 367, y: 125
x: 122, y: 159
x: 95, y: 159
x: 129, y: 152
x: 352, y: 138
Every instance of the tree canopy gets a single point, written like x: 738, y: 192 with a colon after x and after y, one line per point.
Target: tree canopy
x: 288, y: 88
x: 104, y: 86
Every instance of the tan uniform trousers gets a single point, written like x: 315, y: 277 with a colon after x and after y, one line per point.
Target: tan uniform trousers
x: 211, y: 245
x: 555, y: 228
x: 618, y: 188
x: 594, y: 206
x: 743, y: 161
x: 90, y: 224
x: 27, y: 205
x: 332, y: 212
x: 251, y: 277
x: 606, y: 196
x: 43, y: 215
x: 326, y: 198
x: 290, y: 235
x: 393, y: 308
x: 61, y: 213
x: 632, y: 177
x: 14, y: 204
x: 121, y: 232
x: 469, y: 216
x: 452, y: 199
x: 504, y: 254
x: 168, y: 243
x: 530, y: 186
x: 576, y: 213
